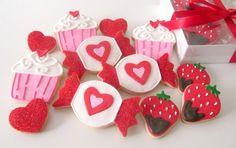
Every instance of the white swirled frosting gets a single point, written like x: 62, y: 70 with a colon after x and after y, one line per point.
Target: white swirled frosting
x: 147, y: 32
x: 33, y: 64
x: 70, y: 22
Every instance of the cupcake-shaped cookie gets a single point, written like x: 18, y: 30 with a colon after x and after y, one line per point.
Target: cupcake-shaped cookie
x: 36, y: 75
x: 153, y: 40
x: 72, y: 29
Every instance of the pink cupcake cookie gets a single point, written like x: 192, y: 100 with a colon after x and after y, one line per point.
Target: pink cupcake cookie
x: 96, y: 103
x: 153, y: 40
x: 35, y: 77
x: 97, y: 50
x: 72, y: 29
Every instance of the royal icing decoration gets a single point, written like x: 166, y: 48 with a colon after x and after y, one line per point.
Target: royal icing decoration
x: 96, y: 103
x: 33, y: 64
x: 138, y: 73
x: 40, y: 43
x: 200, y: 102
x: 30, y: 118
x: 110, y: 27
x: 75, y: 20
x: 192, y: 73
x: 100, y: 51
x: 160, y: 114
x: 148, y: 32
x: 97, y: 50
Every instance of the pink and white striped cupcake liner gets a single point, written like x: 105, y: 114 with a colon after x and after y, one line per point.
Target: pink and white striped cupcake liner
x: 27, y: 87
x: 70, y: 40
x: 153, y: 49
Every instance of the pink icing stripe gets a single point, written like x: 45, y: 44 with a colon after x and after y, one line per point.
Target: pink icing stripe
x: 71, y: 39
x: 153, y: 49
x: 33, y: 86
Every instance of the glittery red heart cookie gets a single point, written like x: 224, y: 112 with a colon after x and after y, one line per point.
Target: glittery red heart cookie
x: 30, y: 118
x: 40, y: 43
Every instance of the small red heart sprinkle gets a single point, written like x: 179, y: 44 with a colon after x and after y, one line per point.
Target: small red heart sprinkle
x: 74, y: 13
x: 156, y: 23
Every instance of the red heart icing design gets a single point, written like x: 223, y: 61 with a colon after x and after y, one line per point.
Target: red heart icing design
x: 110, y: 27
x: 40, y: 43
x: 96, y: 102
x: 30, y: 118
x: 156, y: 23
x: 139, y: 72
x: 74, y: 13
x: 100, y: 51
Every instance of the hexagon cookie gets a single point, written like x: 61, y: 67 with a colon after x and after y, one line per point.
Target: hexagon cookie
x: 96, y: 103
x: 97, y: 50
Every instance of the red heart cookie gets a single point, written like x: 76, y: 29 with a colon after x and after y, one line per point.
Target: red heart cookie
x: 96, y: 102
x: 110, y: 27
x: 74, y: 13
x: 40, y: 43
x: 30, y: 118
x: 139, y: 72
x: 100, y: 52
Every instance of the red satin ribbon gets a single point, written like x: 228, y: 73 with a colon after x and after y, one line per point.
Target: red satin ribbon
x: 203, y: 12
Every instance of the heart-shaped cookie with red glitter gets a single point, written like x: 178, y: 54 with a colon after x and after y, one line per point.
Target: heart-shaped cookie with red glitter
x: 30, y: 118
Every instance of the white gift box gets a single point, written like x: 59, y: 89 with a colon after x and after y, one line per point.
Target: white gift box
x: 211, y: 53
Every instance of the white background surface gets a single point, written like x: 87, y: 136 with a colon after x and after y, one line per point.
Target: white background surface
x: 63, y: 129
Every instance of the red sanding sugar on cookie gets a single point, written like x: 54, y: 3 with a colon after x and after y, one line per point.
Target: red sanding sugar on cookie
x: 40, y: 43
x: 74, y: 64
x: 126, y: 115
x: 109, y: 75
x: 110, y: 27
x: 124, y: 44
x: 30, y: 118
x: 66, y: 93
x: 169, y: 77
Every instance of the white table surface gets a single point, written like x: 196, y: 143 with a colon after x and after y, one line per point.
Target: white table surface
x: 63, y: 129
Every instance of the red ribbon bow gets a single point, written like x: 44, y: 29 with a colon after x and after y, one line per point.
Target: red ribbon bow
x: 202, y: 12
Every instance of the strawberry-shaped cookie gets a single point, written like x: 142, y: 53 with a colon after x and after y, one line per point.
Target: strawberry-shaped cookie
x: 203, y: 34
x: 192, y: 73
x: 200, y: 103
x: 160, y: 114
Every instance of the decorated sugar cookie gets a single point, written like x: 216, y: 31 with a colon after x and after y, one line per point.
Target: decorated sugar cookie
x: 192, y: 73
x: 72, y: 29
x: 168, y: 75
x: 36, y: 75
x: 110, y: 27
x: 134, y: 73
x: 153, y: 40
x: 97, y: 50
x: 200, y: 103
x: 30, y: 118
x: 160, y: 114
x: 96, y: 103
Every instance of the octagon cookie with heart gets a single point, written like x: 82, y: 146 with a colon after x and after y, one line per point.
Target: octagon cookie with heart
x: 96, y: 103
x: 138, y: 73
x: 97, y: 50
